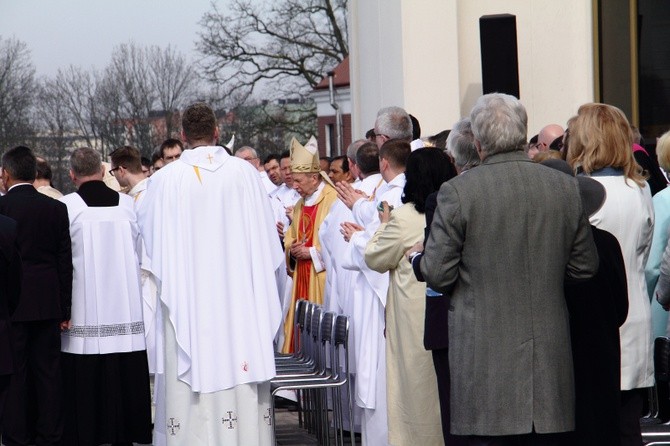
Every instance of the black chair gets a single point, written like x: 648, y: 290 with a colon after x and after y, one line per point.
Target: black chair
x: 301, y: 309
x: 333, y: 343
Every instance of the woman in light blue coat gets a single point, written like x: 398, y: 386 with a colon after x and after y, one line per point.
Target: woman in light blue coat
x: 659, y: 317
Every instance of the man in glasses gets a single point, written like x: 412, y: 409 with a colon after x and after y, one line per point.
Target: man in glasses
x: 128, y: 171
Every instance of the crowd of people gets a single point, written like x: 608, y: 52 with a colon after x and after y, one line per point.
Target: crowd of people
x: 500, y: 291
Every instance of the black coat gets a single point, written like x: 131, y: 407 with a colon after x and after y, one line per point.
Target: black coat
x: 46, y: 255
x: 10, y: 288
x: 598, y: 307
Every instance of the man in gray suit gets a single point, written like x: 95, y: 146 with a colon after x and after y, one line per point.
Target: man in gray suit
x: 503, y: 239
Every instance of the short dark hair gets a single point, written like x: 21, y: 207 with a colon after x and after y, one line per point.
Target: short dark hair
x: 169, y: 143
x: 426, y: 170
x: 345, y: 162
x: 416, y: 127
x: 85, y: 162
x: 557, y: 144
x: 146, y: 162
x: 270, y: 157
x: 370, y: 134
x: 439, y: 140
x: 396, y: 152
x: 285, y: 154
x: 43, y: 171
x: 367, y: 158
x: 198, y: 122
x: 128, y: 157
x: 156, y: 156
x: 21, y: 164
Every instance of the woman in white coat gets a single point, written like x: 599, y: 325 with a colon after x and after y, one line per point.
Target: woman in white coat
x: 600, y: 140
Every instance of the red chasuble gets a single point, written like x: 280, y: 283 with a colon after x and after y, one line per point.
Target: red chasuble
x: 305, y: 234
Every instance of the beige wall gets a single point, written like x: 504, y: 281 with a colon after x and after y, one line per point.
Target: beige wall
x: 424, y: 55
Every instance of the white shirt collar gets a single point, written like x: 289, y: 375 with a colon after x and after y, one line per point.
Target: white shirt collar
x: 139, y: 187
x: 311, y: 199
x: 398, y: 181
x: 19, y: 184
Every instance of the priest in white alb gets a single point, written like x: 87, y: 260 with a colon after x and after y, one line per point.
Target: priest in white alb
x: 209, y: 231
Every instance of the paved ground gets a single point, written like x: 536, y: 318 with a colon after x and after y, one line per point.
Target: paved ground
x: 289, y: 432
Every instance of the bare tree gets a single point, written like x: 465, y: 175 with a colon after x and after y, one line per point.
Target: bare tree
x: 55, y: 122
x: 287, y: 45
x: 76, y: 90
x: 269, y: 126
x: 173, y: 81
x: 128, y: 74
x: 17, y: 92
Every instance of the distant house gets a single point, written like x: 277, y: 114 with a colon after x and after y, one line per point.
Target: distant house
x: 326, y: 118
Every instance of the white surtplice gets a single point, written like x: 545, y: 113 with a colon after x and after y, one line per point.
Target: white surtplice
x: 369, y: 299
x: 100, y: 324
x: 149, y: 289
x: 210, y: 235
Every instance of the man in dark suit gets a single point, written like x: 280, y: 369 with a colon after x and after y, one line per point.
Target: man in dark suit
x: 498, y: 249
x: 43, y: 306
x: 10, y: 288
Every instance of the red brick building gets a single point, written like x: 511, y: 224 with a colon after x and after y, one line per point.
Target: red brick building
x: 326, y: 113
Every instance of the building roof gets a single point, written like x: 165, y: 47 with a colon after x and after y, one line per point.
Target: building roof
x: 341, y: 78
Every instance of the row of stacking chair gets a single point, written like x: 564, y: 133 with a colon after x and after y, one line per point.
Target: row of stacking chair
x: 315, y: 369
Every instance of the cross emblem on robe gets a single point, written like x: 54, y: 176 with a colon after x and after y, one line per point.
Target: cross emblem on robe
x: 210, y: 158
x: 268, y: 417
x: 230, y: 419
x: 173, y: 426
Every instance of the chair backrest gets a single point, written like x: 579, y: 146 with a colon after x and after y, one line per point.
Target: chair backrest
x: 341, y: 345
x: 662, y: 359
x: 309, y: 311
x: 341, y: 330
x: 327, y: 327
x: 315, y: 323
x: 300, y: 311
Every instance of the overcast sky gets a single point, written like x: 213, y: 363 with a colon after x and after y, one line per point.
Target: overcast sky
x: 60, y: 33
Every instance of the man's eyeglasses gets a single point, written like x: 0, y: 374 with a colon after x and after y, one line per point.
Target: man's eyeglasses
x: 111, y: 172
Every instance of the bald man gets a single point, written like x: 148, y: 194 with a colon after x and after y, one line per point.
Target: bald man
x: 547, y: 135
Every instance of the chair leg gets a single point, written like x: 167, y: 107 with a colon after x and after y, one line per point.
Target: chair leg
x: 298, y: 394
x: 338, y: 416
x: 351, y: 412
x: 273, y: 419
x: 324, y: 416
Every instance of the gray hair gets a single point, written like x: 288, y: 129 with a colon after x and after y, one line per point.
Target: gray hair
x: 395, y: 123
x: 353, y: 148
x: 85, y: 162
x: 461, y: 145
x: 499, y: 123
x: 238, y: 152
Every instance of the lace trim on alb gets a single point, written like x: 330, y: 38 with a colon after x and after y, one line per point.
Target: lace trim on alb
x: 102, y: 331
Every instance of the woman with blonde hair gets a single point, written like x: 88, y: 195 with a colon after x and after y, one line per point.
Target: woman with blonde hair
x: 599, y: 145
x: 659, y: 317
